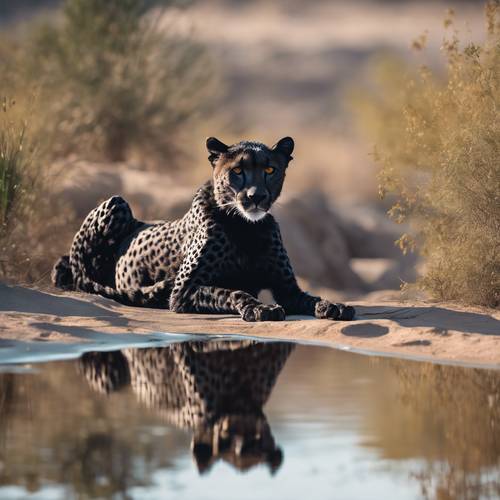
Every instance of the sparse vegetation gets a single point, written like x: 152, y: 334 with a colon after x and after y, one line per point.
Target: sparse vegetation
x: 14, y: 160
x: 107, y: 80
x: 438, y: 146
x: 26, y: 207
x: 113, y: 81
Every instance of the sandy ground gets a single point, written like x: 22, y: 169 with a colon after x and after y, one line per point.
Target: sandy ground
x: 37, y: 321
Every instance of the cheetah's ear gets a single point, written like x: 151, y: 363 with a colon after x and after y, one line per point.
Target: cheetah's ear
x: 285, y: 147
x: 215, y: 149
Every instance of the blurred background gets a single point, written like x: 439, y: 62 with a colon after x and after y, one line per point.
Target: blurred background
x: 118, y: 97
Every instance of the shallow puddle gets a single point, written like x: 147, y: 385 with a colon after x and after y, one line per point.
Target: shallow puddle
x: 249, y: 420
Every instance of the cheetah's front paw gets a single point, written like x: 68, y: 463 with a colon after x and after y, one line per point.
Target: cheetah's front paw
x: 264, y: 312
x: 327, y: 310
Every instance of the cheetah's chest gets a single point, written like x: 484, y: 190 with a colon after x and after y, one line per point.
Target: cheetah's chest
x: 241, y: 264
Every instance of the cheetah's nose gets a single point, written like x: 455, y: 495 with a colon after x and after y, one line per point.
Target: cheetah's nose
x: 256, y: 197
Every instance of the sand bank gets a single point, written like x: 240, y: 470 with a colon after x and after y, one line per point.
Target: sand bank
x: 432, y: 331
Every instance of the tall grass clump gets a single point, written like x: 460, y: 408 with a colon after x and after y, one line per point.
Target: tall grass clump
x: 19, y: 179
x: 115, y: 78
x: 30, y: 216
x: 438, y: 147
x: 15, y: 159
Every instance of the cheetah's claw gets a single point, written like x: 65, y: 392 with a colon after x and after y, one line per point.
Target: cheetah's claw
x: 327, y: 310
x: 264, y: 312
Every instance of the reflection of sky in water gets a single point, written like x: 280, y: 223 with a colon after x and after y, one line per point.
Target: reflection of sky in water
x: 45, y: 493
x: 333, y: 467
x: 349, y: 427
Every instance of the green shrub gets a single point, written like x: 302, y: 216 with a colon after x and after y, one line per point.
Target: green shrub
x: 438, y: 146
x: 113, y: 80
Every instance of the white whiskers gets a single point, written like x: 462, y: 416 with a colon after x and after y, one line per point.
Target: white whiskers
x: 234, y: 208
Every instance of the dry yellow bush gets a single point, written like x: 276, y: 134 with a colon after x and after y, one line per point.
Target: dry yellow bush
x: 438, y: 145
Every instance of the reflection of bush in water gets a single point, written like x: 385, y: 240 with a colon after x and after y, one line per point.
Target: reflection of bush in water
x: 462, y: 407
x: 53, y: 411
x: 7, y: 395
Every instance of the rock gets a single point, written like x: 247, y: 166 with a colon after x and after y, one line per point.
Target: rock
x: 370, y: 236
x: 373, y: 270
x: 152, y: 195
x: 314, y: 240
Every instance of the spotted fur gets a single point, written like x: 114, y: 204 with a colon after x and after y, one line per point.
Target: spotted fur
x: 216, y: 390
x: 215, y: 259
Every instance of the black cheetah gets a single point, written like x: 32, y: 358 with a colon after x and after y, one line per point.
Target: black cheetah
x: 216, y: 259
x: 216, y: 390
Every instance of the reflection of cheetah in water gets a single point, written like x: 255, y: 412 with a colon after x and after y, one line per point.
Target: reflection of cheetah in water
x: 216, y: 259
x: 216, y: 389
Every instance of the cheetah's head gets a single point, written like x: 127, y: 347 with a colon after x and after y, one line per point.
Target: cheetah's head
x: 248, y: 176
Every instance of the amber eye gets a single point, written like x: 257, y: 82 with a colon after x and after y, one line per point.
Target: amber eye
x: 236, y: 170
x: 269, y: 170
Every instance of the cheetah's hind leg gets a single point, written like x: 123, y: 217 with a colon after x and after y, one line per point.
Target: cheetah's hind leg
x: 90, y: 266
x: 93, y: 252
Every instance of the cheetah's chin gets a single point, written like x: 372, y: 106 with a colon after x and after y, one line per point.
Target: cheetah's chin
x: 252, y: 216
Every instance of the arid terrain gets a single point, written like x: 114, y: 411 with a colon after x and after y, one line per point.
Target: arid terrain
x: 283, y: 70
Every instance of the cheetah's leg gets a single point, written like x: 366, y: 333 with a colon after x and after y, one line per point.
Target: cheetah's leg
x: 295, y: 301
x: 211, y: 299
x: 192, y: 294
x: 91, y: 264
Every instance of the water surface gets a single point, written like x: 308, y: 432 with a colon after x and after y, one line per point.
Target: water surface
x: 231, y: 420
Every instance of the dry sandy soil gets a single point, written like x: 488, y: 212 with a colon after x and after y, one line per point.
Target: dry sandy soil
x: 36, y: 323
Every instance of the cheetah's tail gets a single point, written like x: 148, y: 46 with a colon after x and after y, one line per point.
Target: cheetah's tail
x: 152, y: 296
x: 61, y: 275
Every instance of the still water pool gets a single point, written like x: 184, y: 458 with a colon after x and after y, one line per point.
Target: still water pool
x: 217, y: 420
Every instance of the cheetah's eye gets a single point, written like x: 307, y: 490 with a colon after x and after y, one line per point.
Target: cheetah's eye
x: 236, y: 170
x: 269, y: 170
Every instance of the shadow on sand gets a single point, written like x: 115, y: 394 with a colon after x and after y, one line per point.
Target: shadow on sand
x: 439, y: 318
x: 366, y: 330
x: 26, y: 300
